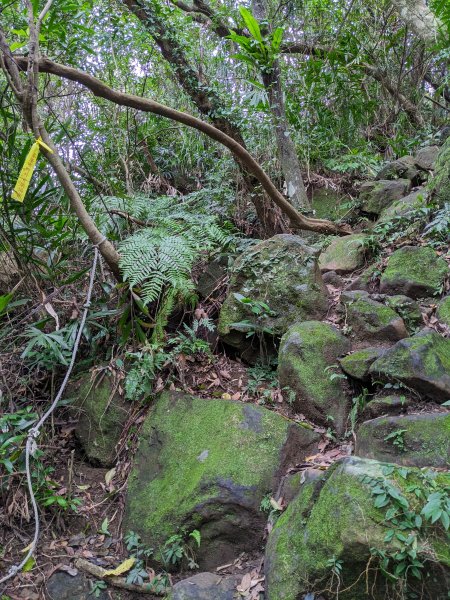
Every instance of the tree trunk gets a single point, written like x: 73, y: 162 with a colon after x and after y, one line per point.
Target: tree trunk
x: 287, y: 153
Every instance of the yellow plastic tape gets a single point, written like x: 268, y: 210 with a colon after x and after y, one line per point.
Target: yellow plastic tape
x: 122, y: 568
x: 23, y: 181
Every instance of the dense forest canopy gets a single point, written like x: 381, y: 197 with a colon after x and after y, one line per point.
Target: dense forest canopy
x: 224, y: 234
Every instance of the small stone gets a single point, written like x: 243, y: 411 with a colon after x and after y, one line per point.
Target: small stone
x: 421, y: 440
x: 344, y: 254
x: 332, y: 278
x: 408, y: 309
x: 358, y: 363
x: 62, y: 586
x: 421, y: 363
x: 307, y: 363
x: 415, y: 271
x: 377, y: 195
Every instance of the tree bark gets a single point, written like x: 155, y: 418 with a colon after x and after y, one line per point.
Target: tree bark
x: 100, y: 89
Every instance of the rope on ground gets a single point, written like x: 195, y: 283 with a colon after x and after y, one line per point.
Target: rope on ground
x: 33, y: 434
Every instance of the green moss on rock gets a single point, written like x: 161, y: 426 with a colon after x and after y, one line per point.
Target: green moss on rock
x: 371, y: 320
x: 307, y: 350
x: 415, y: 271
x: 377, y: 195
x: 282, y: 272
x: 102, y: 414
x: 421, y: 362
x: 443, y: 311
x: 207, y: 464
x: 335, y: 519
x: 358, y: 363
x: 439, y: 186
x: 344, y: 254
x: 425, y: 440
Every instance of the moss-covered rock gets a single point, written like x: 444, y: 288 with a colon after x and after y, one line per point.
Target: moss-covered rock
x: 407, y: 308
x: 421, y: 362
x: 102, y: 413
x: 283, y: 273
x: 421, y: 440
x: 385, y: 405
x: 415, y: 271
x: 307, y: 354
x: 206, y: 464
x: 335, y: 519
x: 439, y: 185
x: 357, y: 364
x: 377, y: 195
x: 367, y: 280
x: 443, y: 311
x: 418, y: 440
x: 404, y: 208
x: 373, y: 321
x: 402, y: 168
x: 344, y: 254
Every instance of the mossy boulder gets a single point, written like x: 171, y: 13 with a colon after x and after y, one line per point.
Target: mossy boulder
x: 403, y: 210
x: 421, y: 362
x: 357, y: 364
x: 386, y: 405
x: 426, y: 157
x: 334, y: 519
x: 415, y: 271
x: 373, y: 321
x: 344, y: 254
x: 307, y: 365
x: 407, y: 308
x: 377, y: 195
x: 443, y: 311
x: 402, y: 168
x: 206, y: 465
x: 102, y: 413
x: 421, y: 440
x: 283, y: 273
x: 439, y: 185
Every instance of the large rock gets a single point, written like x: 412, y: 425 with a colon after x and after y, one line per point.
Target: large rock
x: 406, y: 209
x: 408, y: 309
x: 415, y: 271
x: 425, y: 158
x: 402, y: 168
x: 307, y: 354
x: 63, y: 586
x: 344, y: 254
x: 385, y: 405
x: 357, y: 364
x: 377, y: 195
x: 334, y: 519
x: 102, y: 413
x: 283, y: 273
x: 207, y: 586
x: 421, y: 362
x: 443, y: 311
x: 439, y: 186
x: 206, y: 465
x: 421, y: 440
x: 373, y: 321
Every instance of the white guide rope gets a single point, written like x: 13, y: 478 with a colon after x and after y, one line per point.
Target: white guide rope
x: 34, y: 432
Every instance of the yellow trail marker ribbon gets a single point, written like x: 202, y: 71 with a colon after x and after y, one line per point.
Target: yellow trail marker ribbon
x: 122, y: 568
x: 23, y: 181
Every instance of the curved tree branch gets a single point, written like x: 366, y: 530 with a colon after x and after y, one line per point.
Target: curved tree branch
x: 100, y: 89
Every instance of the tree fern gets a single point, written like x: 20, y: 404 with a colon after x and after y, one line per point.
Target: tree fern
x: 159, y: 259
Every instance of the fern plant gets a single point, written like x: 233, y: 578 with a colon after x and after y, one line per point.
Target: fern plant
x: 158, y: 260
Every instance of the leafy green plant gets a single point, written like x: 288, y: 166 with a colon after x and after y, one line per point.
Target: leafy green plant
x: 45, y: 349
x: 97, y: 587
x: 262, y: 381
x: 177, y: 547
x: 358, y: 404
x: 331, y: 372
x: 13, y: 434
x: 259, y: 49
x: 261, y: 310
x: 408, y: 520
x: 397, y: 438
x: 145, y: 365
x: 438, y: 230
x: 49, y: 492
x: 271, y: 507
